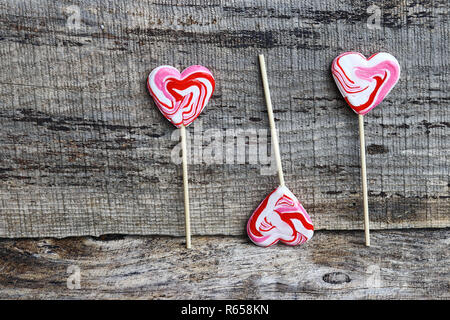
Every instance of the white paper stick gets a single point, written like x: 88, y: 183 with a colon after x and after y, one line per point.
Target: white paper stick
x: 273, y: 130
x: 186, y: 187
x: 364, y: 179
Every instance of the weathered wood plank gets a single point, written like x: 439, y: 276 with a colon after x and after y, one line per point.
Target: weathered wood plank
x: 335, y: 265
x: 83, y: 150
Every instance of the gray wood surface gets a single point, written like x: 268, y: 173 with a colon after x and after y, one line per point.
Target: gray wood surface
x: 84, y: 151
x: 335, y: 265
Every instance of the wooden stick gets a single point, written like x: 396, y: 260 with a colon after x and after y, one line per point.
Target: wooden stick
x: 273, y: 130
x: 364, y: 179
x: 186, y: 187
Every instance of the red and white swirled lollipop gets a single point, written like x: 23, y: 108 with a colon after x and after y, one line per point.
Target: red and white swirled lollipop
x: 181, y: 97
x: 280, y: 217
x: 364, y: 83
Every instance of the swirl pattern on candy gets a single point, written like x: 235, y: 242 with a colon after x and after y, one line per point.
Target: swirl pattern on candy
x: 181, y: 97
x: 280, y: 217
x: 365, y: 82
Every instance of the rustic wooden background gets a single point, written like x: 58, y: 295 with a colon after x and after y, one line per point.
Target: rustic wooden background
x: 84, y: 151
x: 336, y: 265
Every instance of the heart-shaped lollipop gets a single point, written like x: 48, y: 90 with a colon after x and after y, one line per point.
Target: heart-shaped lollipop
x: 280, y: 217
x: 181, y: 97
x: 365, y: 82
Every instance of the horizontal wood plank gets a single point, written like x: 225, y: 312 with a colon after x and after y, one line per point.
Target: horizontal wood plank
x: 334, y: 265
x: 84, y: 151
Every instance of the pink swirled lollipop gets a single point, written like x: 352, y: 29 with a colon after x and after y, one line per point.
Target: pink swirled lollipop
x: 280, y: 217
x: 181, y: 97
x: 364, y: 83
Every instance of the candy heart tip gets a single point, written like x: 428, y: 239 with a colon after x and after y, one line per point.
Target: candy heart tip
x: 364, y: 83
x: 181, y: 97
x: 280, y: 217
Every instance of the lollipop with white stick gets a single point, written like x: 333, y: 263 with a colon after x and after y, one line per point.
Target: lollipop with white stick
x: 364, y: 83
x: 280, y: 217
x: 181, y: 97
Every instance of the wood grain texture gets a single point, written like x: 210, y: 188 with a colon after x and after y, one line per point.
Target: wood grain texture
x: 84, y: 151
x: 335, y: 265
